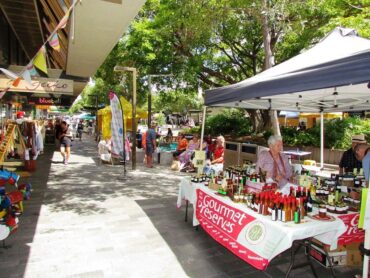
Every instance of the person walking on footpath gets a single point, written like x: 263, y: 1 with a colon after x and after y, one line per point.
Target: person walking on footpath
x: 65, y: 142
x: 150, y: 145
x: 80, y: 128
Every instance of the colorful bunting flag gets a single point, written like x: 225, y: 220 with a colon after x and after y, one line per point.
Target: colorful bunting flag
x: 27, y: 77
x: 9, y: 73
x: 40, y: 61
x: 31, y: 69
x: 63, y: 22
x: 54, y: 42
x: 16, y: 82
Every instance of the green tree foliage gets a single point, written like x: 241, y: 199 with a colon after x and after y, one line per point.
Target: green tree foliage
x: 176, y: 101
x: 230, y: 122
x: 337, y: 133
x: 211, y: 43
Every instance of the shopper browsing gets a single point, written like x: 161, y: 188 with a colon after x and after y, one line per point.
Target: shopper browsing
x: 65, y: 136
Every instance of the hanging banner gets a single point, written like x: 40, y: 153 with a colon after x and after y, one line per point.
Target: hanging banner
x: 116, y: 125
x: 353, y: 232
x: 234, y: 229
x: 41, y: 85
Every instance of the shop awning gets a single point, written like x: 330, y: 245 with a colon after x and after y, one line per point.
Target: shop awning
x: 332, y: 76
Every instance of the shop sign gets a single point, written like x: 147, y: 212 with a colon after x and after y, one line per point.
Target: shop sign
x: 353, y: 233
x: 237, y: 231
x: 48, y: 101
x: 41, y: 85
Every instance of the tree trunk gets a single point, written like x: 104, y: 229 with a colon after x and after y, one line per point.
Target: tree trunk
x: 260, y: 120
x: 269, y: 59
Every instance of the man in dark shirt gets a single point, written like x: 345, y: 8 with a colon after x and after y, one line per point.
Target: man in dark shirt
x: 150, y: 147
x: 349, y: 161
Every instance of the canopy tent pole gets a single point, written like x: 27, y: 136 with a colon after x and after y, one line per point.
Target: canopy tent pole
x: 321, y: 140
x: 203, y: 124
x: 365, y: 269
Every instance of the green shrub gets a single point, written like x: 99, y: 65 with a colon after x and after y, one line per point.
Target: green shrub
x: 231, y: 122
x: 337, y: 133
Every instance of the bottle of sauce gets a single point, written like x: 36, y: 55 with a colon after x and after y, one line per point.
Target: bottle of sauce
x: 309, y: 202
x: 274, y: 213
x: 302, y: 208
x: 280, y: 209
x: 293, y: 208
x: 297, y: 212
x: 288, y: 215
x: 284, y: 211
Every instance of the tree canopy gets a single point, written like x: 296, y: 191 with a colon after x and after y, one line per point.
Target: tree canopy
x: 211, y: 43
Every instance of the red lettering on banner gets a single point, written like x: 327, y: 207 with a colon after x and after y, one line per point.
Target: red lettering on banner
x: 224, y: 223
x: 353, y: 233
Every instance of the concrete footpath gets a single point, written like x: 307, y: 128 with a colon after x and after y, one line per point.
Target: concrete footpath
x: 88, y: 220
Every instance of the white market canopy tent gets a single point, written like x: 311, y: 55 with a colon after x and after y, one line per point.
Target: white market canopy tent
x: 331, y: 76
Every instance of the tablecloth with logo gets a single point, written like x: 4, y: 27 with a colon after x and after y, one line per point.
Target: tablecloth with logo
x: 253, y: 237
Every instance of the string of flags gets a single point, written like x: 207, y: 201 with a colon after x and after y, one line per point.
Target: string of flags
x: 39, y: 60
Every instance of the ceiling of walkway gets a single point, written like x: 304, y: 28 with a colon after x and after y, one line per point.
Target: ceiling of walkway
x: 93, y: 29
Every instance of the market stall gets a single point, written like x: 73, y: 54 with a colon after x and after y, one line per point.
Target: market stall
x: 332, y: 76
x: 105, y: 117
x: 250, y: 218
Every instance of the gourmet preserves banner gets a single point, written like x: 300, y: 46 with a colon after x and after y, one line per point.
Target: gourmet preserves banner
x: 353, y: 233
x: 232, y: 228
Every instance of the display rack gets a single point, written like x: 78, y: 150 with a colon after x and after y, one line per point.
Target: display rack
x: 12, y: 138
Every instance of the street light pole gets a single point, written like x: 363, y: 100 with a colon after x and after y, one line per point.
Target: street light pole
x: 134, y: 71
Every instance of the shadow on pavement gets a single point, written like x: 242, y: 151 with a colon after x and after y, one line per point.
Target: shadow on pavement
x: 14, y: 259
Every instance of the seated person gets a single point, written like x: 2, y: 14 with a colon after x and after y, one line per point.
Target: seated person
x: 349, y: 161
x: 182, y: 144
x: 216, y: 165
x: 275, y: 163
x: 104, y: 150
x: 185, y: 156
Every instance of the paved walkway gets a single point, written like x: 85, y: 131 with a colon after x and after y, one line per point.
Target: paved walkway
x: 87, y: 220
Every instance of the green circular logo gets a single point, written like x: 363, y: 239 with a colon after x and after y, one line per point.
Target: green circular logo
x: 255, y: 233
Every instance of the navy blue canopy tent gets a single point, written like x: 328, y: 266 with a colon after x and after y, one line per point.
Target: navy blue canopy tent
x: 332, y: 76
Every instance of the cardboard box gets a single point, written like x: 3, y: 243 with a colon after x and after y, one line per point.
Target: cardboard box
x: 336, y: 258
x: 348, y: 254
x: 354, y: 257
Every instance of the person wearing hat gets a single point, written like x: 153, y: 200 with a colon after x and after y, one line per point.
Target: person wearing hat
x: 363, y: 154
x: 349, y: 160
x: 150, y: 145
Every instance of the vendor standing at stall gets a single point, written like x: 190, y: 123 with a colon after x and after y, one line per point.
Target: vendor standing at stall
x: 349, y: 160
x: 274, y: 162
x: 362, y: 152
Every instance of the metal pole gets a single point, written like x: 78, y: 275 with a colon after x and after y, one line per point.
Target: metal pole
x: 150, y: 101
x: 134, y: 119
x: 321, y: 140
x: 203, y: 125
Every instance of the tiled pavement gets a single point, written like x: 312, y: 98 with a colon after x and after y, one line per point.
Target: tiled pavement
x: 88, y: 220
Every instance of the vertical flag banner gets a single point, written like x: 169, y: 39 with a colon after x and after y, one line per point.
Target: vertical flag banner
x: 40, y: 61
x: 54, y: 42
x: 117, y: 125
